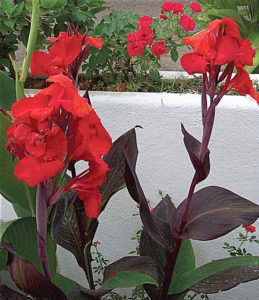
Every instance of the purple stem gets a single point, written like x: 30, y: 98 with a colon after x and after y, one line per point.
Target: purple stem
x: 41, y: 221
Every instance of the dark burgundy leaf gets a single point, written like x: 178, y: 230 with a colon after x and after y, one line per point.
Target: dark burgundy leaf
x: 8, y: 294
x: 142, y: 264
x: 226, y: 279
x: 116, y: 161
x: 71, y: 234
x: 148, y: 247
x: 28, y: 278
x: 61, y: 209
x: 156, y: 227
x: 193, y: 147
x: 214, y: 211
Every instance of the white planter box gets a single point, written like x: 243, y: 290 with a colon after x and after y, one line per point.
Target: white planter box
x: 163, y: 163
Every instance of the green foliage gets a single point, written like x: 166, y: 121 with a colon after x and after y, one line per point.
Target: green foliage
x: 23, y: 236
x: 15, y: 22
x: 128, y: 279
x: 7, y: 91
x: 190, y: 278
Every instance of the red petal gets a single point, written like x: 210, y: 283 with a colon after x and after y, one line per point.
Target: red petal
x: 227, y: 48
x: 95, y: 42
x: 41, y: 64
x: 194, y: 63
x: 31, y: 171
x: 65, y: 51
x: 35, y: 107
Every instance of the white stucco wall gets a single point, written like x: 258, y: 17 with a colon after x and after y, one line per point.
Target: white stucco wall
x: 163, y: 163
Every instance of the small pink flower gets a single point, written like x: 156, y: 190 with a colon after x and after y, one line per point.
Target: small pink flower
x: 195, y: 7
x: 152, y: 209
x: 187, y: 23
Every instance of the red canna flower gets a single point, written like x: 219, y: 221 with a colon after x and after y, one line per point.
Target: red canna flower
x: 41, y: 147
x: 159, y: 49
x: 250, y: 228
x: 195, y: 7
x: 145, y: 21
x: 187, y: 23
x: 176, y: 7
x: 216, y: 46
x: 65, y: 50
x: 60, y: 56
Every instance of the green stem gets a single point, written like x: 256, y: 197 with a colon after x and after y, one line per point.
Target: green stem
x: 31, y: 42
x: 18, y: 88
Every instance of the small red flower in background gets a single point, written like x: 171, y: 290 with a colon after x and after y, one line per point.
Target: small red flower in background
x: 159, y: 49
x: 131, y: 37
x: 187, y: 23
x: 145, y: 21
x: 249, y: 228
x: 152, y: 209
x: 195, y: 7
x: 145, y: 35
x: 176, y: 7
x: 163, y: 17
x: 113, y: 274
x: 135, y: 48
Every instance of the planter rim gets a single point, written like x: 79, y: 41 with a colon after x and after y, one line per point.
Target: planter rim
x: 163, y: 99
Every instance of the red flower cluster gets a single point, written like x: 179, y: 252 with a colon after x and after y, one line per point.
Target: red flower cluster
x: 65, y: 50
x: 195, y: 7
x: 144, y: 36
x: 187, y: 23
x: 159, y: 49
x: 249, y: 228
x: 218, y: 45
x: 175, y: 7
x: 53, y: 128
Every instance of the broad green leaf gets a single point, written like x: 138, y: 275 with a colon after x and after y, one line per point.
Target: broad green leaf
x: 18, y: 9
x: 7, y: 91
x: 192, y: 277
x: 21, y: 233
x: 254, y: 39
x: 185, y: 260
x: 128, y: 279
x: 243, y: 25
x: 64, y: 283
x: 7, y: 6
x: 12, y: 189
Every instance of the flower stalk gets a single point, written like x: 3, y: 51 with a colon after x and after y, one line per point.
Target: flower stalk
x: 29, y: 50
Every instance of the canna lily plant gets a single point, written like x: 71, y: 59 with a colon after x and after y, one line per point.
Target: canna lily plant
x: 46, y: 135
